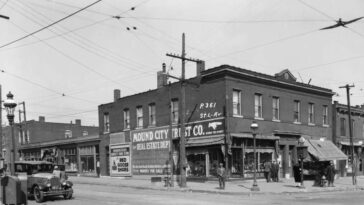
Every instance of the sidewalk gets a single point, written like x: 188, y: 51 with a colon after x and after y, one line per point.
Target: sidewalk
x: 233, y: 187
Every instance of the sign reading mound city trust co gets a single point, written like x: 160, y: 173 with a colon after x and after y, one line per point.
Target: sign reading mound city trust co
x: 151, y: 146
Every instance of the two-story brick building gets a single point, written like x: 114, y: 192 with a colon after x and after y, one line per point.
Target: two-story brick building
x: 71, y: 144
x: 341, y: 134
x: 221, y: 104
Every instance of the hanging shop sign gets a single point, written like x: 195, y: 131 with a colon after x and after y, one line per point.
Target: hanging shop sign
x: 151, y: 146
x: 120, y: 160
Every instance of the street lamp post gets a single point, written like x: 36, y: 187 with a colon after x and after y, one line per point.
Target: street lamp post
x: 10, y: 105
x: 302, y: 154
x: 254, y: 128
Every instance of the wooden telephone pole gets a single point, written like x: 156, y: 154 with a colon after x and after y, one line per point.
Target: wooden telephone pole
x: 353, y: 165
x: 182, y: 148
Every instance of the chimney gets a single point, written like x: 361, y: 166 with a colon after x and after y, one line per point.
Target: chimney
x: 41, y: 119
x: 116, y: 95
x: 162, y: 77
x: 200, y: 66
x: 78, y: 122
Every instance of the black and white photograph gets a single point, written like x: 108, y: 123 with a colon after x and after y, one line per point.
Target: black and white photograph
x: 186, y: 102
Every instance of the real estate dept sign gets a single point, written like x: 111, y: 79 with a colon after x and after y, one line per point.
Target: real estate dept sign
x: 120, y: 160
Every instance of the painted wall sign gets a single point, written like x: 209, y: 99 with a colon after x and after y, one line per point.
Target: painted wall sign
x: 208, y: 110
x: 151, y: 146
x: 120, y: 160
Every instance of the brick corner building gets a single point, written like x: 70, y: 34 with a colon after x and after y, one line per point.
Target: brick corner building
x: 139, y: 131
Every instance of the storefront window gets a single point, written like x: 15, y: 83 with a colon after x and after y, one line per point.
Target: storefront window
x: 87, y: 156
x: 197, y: 165
x: 87, y: 164
x: 70, y: 160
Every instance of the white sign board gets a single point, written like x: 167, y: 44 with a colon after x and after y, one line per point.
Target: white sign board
x: 120, y: 160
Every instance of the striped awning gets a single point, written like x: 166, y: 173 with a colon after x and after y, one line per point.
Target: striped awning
x: 324, y: 150
x: 205, y: 141
x: 258, y: 136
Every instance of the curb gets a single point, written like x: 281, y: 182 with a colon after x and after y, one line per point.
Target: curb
x: 177, y: 189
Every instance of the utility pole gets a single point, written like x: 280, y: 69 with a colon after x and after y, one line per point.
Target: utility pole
x: 353, y: 166
x: 182, y: 150
x: 25, y: 122
x: 20, y: 128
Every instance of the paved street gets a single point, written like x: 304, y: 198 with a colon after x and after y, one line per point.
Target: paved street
x: 101, y: 194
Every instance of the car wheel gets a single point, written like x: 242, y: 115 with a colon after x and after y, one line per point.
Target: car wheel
x: 69, y: 194
x: 38, y: 195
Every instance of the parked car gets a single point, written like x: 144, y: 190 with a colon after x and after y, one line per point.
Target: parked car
x: 42, y: 182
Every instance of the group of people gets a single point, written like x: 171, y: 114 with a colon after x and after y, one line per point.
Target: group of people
x: 325, y: 175
x: 271, y: 170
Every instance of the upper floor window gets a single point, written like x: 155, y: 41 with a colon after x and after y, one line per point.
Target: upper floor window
x: 275, y: 105
x: 139, y: 116
x: 174, y: 110
x: 236, y: 102
x: 126, y: 119
x: 106, y: 122
x: 311, y: 113
x: 297, y: 111
x: 325, y: 115
x: 68, y: 134
x: 258, y: 106
x: 152, y: 114
x: 342, y: 127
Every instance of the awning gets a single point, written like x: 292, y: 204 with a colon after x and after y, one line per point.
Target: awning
x: 324, y: 150
x: 358, y: 144
x: 259, y: 136
x: 205, y: 141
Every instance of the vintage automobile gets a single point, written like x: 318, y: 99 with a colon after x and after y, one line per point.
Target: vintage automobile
x: 42, y: 182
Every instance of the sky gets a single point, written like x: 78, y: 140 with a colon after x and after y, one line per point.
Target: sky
x: 67, y: 69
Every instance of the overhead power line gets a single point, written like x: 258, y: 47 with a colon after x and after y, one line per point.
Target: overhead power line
x: 266, y: 44
x: 66, y: 17
x: 329, y: 63
x: 229, y: 22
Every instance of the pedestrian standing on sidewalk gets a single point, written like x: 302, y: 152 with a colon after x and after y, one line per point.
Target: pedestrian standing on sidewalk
x: 267, y: 172
x: 221, y: 176
x: 297, y: 174
x: 274, y: 171
x: 330, y: 174
x: 98, y: 168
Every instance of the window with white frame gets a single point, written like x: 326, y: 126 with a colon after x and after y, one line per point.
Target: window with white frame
x: 275, y: 106
x: 126, y: 118
x: 139, y: 116
x: 296, y: 111
x: 258, y: 106
x: 175, y: 110
x: 152, y: 114
x: 106, y: 122
x: 68, y: 134
x: 325, y: 115
x: 311, y: 113
x: 236, y: 102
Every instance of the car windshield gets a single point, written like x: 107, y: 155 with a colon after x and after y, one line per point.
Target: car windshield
x: 42, y: 168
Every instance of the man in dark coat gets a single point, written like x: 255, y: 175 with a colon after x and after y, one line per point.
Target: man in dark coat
x: 274, y: 171
x: 297, y: 174
x: 330, y: 174
x: 267, y: 172
x: 221, y: 176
